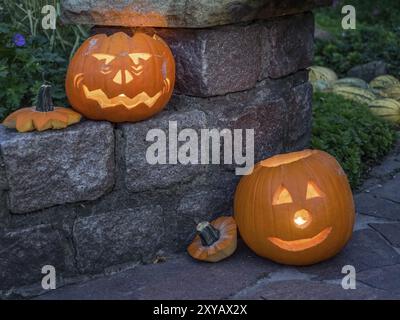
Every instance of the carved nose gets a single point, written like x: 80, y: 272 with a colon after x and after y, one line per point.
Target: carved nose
x: 123, y: 77
x: 302, y: 219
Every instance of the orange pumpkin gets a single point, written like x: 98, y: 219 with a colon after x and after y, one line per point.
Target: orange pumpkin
x: 295, y: 208
x: 42, y: 117
x: 121, y: 78
x: 215, y: 241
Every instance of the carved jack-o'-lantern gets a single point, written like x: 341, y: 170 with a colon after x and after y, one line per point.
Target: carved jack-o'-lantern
x: 295, y: 208
x: 121, y: 78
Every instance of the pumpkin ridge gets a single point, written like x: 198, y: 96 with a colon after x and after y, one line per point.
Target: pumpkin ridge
x: 24, y: 122
x: 42, y: 121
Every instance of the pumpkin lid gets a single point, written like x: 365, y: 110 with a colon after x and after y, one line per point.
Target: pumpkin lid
x: 286, y: 158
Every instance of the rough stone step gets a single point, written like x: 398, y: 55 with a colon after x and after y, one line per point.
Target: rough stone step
x: 57, y: 167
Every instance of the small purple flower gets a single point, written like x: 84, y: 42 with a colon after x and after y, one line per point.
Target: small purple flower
x: 19, y: 40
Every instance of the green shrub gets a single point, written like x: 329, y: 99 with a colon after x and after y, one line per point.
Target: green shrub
x: 366, y: 44
x: 368, y: 12
x: 44, y: 55
x: 349, y: 132
x: 377, y: 36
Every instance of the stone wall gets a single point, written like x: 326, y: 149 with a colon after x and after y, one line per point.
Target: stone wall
x: 84, y: 199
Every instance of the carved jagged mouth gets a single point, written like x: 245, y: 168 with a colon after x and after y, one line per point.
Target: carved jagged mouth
x: 301, y: 244
x: 105, y: 102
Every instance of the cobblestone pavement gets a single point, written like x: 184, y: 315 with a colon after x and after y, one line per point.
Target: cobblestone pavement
x: 374, y: 251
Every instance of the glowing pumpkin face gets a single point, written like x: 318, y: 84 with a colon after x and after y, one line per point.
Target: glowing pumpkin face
x: 121, y: 78
x: 295, y: 208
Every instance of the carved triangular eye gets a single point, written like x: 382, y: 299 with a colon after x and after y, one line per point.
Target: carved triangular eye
x: 139, y: 55
x: 281, y: 196
x: 313, y: 191
x: 107, y: 57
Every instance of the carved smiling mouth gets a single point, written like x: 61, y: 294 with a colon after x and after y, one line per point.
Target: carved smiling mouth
x: 105, y: 102
x: 301, y: 244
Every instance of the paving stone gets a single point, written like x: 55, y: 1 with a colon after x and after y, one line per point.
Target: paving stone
x: 390, y: 231
x: 370, y: 185
x: 363, y: 221
x: 50, y: 168
x: 111, y: 238
x: 366, y: 250
x: 389, y: 190
x: 179, y: 13
x: 178, y: 278
x: 385, y: 278
x: 370, y: 204
x: 389, y: 166
x: 24, y: 252
x: 183, y: 278
x: 311, y: 290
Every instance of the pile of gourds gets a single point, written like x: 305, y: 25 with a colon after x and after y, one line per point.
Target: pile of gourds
x: 381, y: 95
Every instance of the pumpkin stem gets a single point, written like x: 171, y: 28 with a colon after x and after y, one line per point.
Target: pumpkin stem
x: 208, y: 234
x: 44, y: 100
